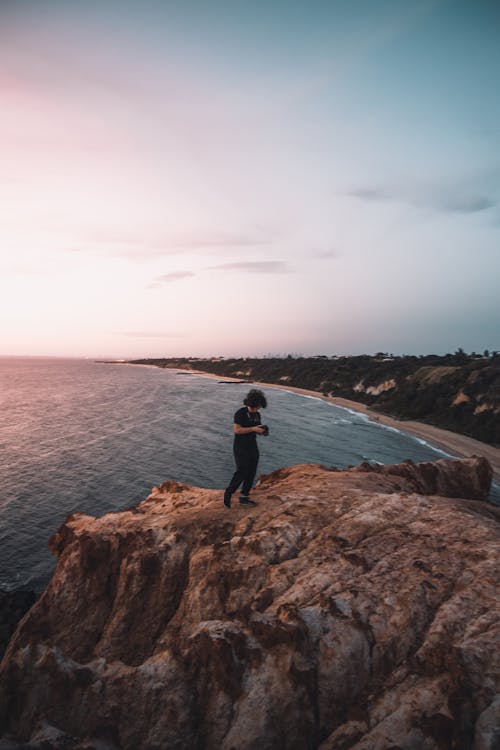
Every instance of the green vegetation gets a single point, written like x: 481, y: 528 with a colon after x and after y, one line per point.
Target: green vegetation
x: 459, y: 392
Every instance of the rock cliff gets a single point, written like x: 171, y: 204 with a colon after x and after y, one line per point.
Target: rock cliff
x: 350, y: 609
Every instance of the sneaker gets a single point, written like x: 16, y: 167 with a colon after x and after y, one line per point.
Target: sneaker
x: 245, y: 500
x: 227, y: 498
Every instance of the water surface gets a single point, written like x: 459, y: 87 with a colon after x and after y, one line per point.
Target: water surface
x: 76, y: 435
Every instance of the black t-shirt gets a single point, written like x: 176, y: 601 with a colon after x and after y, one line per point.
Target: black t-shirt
x: 246, y: 418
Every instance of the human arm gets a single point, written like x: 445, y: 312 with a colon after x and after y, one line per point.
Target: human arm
x: 239, y: 430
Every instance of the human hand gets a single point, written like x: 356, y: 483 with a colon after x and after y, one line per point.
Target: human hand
x: 259, y: 430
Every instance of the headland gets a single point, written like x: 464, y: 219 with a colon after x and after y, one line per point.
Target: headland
x: 351, y: 609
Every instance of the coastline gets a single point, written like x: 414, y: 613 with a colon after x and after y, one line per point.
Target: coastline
x: 453, y: 443
x: 458, y: 446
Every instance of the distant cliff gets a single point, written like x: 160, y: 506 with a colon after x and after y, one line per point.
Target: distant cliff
x: 350, y: 609
x: 457, y: 392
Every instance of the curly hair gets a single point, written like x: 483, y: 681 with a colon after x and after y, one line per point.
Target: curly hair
x: 255, y: 398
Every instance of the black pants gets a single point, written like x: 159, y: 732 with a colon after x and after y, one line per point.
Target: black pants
x: 246, y: 468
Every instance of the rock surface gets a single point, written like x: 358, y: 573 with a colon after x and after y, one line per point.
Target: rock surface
x: 350, y: 609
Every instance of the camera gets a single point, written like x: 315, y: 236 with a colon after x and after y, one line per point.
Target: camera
x: 266, y: 429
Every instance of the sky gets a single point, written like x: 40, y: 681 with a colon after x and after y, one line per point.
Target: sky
x: 192, y: 178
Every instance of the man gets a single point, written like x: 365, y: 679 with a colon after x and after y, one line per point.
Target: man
x: 246, y: 427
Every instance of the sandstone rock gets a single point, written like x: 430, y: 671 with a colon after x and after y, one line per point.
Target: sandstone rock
x: 466, y: 478
x: 350, y: 609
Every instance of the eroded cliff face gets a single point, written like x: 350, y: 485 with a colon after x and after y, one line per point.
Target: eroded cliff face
x: 350, y: 609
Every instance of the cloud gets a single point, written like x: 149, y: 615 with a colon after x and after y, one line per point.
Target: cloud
x: 446, y: 199
x: 167, y: 278
x: 370, y: 194
x: 467, y: 204
x: 148, y: 244
x: 253, y: 266
x: 265, y: 266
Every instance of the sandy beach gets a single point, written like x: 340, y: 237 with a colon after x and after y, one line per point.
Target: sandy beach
x: 453, y: 443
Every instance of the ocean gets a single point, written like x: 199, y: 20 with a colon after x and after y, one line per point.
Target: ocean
x: 78, y: 435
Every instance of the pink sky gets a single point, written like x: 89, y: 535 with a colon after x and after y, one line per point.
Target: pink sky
x: 160, y: 196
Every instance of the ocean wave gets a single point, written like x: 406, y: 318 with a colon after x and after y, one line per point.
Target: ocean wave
x: 411, y: 436
x: 302, y: 395
x: 430, y: 445
x: 359, y: 414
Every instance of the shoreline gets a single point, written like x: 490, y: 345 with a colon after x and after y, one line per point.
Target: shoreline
x: 457, y: 445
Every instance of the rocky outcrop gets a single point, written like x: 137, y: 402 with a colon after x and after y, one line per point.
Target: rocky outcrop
x: 466, y: 478
x: 349, y: 609
x: 375, y: 390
